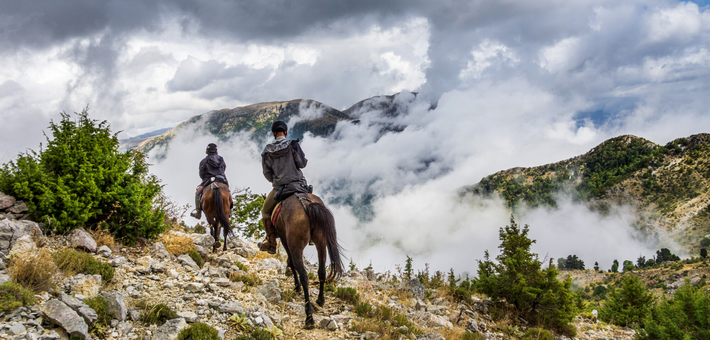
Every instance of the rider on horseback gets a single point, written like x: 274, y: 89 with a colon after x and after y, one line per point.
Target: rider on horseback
x: 211, y: 169
x: 281, y: 162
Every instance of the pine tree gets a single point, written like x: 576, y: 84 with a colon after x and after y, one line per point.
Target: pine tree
x: 408, y: 268
x: 615, y: 267
x: 518, y: 277
x: 703, y: 253
x: 629, y: 305
x: 596, y: 266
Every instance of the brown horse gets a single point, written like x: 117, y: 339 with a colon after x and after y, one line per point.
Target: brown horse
x: 302, y: 220
x: 216, y: 200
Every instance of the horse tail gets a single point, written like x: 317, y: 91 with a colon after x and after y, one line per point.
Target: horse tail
x: 322, y: 221
x: 221, y: 215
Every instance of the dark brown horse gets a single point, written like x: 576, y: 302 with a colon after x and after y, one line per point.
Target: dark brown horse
x: 296, y: 226
x: 216, y: 200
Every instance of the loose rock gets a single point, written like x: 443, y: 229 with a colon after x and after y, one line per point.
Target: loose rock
x: 60, y: 314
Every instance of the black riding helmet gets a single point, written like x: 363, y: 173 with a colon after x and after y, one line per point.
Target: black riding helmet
x: 279, y: 125
x: 212, y: 148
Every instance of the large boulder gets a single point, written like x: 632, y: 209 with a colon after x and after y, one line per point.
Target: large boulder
x: 18, y: 208
x: 415, y: 288
x: 79, y: 238
x: 188, y: 261
x: 80, y: 307
x: 86, y: 285
x: 12, y: 230
x: 202, y: 240
x: 24, y: 245
x: 269, y: 264
x: 170, y: 330
x: 6, y: 201
x: 159, y: 250
x: 269, y: 291
x: 60, y: 314
x: 116, y: 305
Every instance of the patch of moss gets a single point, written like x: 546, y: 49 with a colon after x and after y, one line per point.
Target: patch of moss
x: 199, y: 331
x: 13, y: 295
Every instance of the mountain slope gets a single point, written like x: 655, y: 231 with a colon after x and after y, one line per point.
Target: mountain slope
x: 669, y: 185
x: 317, y: 118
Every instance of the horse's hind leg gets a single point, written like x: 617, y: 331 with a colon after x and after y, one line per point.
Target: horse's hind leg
x: 297, y: 259
x: 321, y: 271
x: 289, y: 261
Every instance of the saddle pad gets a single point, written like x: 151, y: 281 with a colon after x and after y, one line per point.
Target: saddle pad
x: 275, y: 213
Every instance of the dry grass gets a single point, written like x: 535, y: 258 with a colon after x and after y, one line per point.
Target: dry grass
x: 450, y: 333
x: 260, y: 255
x: 176, y: 244
x: 36, y: 272
x: 102, y: 237
x: 72, y: 261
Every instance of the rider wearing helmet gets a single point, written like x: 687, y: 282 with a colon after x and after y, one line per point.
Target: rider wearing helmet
x: 281, y: 161
x: 211, y: 170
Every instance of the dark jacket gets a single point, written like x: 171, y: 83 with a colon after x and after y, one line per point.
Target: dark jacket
x: 212, y: 166
x: 282, y: 162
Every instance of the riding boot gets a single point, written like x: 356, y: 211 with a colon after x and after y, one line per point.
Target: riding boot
x: 269, y: 244
x: 198, y: 205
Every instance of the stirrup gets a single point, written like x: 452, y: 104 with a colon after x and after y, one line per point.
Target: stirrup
x: 196, y: 214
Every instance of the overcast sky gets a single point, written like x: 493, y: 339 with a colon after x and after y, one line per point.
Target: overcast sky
x: 539, y: 80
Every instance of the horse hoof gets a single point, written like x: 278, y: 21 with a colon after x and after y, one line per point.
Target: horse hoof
x: 320, y: 303
x: 310, y: 324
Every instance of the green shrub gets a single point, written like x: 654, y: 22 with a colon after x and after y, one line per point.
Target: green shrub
x: 363, y: 309
x: 195, y: 257
x: 249, y: 280
x: 241, y: 266
x: 73, y: 261
x: 462, y: 294
x: 13, y: 295
x: 199, y: 229
x: 257, y: 334
x: 100, y: 305
x: 287, y: 295
x: 199, y: 331
x: 156, y: 314
x: 537, y: 334
x: 518, y: 277
x: 81, y: 178
x: 685, y: 316
x: 627, y: 305
x: 348, y: 294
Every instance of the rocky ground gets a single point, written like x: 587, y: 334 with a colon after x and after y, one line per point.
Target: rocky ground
x: 150, y: 273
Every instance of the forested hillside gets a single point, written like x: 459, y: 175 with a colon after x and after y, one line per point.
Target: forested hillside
x: 667, y: 184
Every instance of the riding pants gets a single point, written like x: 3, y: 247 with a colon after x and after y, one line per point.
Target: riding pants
x: 269, y: 205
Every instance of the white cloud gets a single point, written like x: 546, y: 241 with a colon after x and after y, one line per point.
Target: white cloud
x: 487, y: 54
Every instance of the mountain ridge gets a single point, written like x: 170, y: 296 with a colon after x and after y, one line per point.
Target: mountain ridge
x: 668, y: 185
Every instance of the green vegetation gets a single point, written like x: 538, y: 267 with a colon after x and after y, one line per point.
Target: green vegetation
x: 363, y: 309
x: 13, y: 295
x: 155, y: 314
x: 383, y: 321
x: 195, y: 256
x: 100, y: 305
x: 628, y: 305
x: 685, y: 316
x: 247, y: 214
x: 241, y: 266
x: 518, y: 277
x: 570, y: 263
x: 260, y: 334
x: 81, y: 179
x: 249, y: 280
x: 73, y: 261
x: 537, y: 334
x: 348, y: 294
x: 199, y: 331
x: 34, y: 271
x: 408, y: 268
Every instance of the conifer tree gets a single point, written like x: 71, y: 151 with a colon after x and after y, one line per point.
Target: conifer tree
x: 628, y: 305
x: 518, y: 277
x: 596, y: 266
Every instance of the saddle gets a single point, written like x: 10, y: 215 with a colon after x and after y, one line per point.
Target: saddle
x: 302, y: 197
